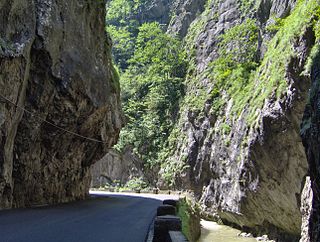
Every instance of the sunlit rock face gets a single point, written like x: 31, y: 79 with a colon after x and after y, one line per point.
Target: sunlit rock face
x: 250, y: 175
x: 55, y: 62
x: 185, y: 12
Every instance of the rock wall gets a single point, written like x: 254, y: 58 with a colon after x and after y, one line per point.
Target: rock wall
x: 185, y: 13
x: 116, y: 166
x: 55, y: 62
x: 155, y: 11
x: 310, y: 133
x: 251, y: 174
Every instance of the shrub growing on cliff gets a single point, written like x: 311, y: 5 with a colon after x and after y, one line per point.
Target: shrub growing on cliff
x: 270, y: 78
x: 237, y: 60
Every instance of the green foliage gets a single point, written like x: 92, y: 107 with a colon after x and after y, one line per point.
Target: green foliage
x: 269, y: 78
x: 237, y: 60
x: 119, y: 12
x: 246, y: 6
x: 122, y: 25
x: 316, y: 23
x: 237, y: 46
x: 190, y: 218
x: 316, y: 48
x: 275, y: 26
x: 193, y: 32
x: 152, y: 67
x: 230, y: 72
x: 238, y: 72
x: 123, y: 42
x: 157, y: 53
x: 135, y: 184
x: 171, y: 170
x: 226, y: 129
x: 151, y: 89
x: 314, y: 52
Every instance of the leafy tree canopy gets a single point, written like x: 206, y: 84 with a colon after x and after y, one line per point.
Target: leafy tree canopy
x: 151, y: 89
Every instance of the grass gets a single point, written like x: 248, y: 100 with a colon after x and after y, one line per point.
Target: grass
x: 269, y: 79
x: 185, y: 217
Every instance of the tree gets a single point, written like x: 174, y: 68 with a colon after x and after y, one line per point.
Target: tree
x: 151, y: 88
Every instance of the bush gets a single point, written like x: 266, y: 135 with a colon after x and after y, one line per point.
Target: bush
x: 136, y: 184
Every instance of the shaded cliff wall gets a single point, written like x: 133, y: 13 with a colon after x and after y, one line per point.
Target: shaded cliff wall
x: 310, y: 134
x: 55, y: 62
x: 116, y: 166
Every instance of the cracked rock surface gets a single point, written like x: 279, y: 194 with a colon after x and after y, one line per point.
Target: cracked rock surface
x: 55, y: 62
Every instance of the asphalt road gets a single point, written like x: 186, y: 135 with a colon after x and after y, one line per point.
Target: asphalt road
x: 108, y: 218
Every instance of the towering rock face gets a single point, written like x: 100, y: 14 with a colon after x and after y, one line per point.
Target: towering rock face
x: 55, y: 62
x: 242, y: 142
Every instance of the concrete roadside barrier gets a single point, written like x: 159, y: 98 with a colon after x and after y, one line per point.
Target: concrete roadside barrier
x: 164, y: 224
x: 167, y: 227
x: 166, y: 210
x: 177, y: 236
x: 170, y: 202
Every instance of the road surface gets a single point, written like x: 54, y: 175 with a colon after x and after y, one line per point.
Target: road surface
x: 103, y: 217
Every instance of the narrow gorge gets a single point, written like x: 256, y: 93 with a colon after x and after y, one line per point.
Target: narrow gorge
x: 219, y: 98
x: 222, y: 111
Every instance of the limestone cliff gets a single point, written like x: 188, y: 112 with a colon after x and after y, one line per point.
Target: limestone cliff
x: 240, y: 140
x: 116, y: 166
x: 55, y: 62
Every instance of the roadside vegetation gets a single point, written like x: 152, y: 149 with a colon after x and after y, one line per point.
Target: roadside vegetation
x: 189, y: 212
x: 136, y: 184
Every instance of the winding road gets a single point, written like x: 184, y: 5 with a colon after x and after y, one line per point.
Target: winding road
x: 104, y: 217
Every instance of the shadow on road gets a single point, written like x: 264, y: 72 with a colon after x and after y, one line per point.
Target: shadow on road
x: 102, y: 217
